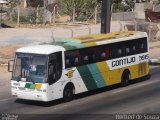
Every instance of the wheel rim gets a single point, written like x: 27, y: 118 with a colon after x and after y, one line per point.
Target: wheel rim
x: 68, y: 93
x: 125, y: 79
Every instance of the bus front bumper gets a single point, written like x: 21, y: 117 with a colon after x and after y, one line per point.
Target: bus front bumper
x: 36, y: 96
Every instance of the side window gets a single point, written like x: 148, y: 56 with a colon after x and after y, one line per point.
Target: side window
x: 128, y: 48
x: 114, y: 50
x: 72, y: 59
x: 133, y: 47
x: 142, y: 46
x: 88, y: 55
x: 55, y: 67
x: 102, y: 53
x: 118, y: 50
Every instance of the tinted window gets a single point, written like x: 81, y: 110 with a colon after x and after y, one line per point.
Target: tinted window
x: 142, y: 45
x: 104, y: 52
x: 72, y: 58
x: 118, y: 50
x: 55, y: 67
x: 88, y: 55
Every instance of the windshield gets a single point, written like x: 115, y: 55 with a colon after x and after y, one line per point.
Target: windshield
x: 30, y: 68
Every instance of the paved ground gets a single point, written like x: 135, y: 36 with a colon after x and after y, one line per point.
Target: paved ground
x: 154, y: 49
x: 139, y: 98
x: 27, y: 36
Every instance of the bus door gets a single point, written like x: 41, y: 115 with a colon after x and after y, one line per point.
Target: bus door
x: 55, y: 67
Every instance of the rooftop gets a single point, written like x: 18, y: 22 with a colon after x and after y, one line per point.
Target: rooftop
x: 82, y: 42
x: 93, y: 40
x: 41, y: 49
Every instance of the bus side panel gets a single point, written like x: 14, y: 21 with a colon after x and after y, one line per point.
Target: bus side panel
x: 138, y: 70
x: 87, y: 77
x: 72, y: 75
x: 110, y: 77
x: 97, y: 76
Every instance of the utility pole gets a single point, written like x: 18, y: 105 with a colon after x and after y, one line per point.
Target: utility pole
x: 106, y: 16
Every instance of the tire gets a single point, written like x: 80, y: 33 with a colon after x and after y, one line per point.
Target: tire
x: 125, y: 79
x: 148, y: 77
x: 68, y: 93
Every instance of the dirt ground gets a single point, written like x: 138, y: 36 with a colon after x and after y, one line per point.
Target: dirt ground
x: 7, y: 53
x: 4, y: 74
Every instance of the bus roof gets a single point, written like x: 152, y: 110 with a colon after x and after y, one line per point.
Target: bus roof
x: 41, y: 49
x: 98, y: 39
x: 82, y: 42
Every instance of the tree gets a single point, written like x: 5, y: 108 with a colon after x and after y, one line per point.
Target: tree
x: 82, y: 7
x: 123, y: 5
x: 87, y: 7
x: 14, y: 3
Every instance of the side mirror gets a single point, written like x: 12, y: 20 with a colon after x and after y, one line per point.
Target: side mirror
x: 10, y: 65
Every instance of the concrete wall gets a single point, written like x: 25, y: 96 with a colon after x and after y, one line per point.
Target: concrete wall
x: 139, y: 11
x: 123, y: 16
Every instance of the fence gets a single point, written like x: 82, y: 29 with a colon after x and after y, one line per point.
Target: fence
x: 123, y: 16
x: 41, y: 15
x: 27, y: 15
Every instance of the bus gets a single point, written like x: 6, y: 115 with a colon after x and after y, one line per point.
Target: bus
x: 66, y: 67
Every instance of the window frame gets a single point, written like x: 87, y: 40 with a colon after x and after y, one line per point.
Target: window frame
x: 59, y: 65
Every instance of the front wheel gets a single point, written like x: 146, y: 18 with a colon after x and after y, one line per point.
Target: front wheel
x: 68, y: 93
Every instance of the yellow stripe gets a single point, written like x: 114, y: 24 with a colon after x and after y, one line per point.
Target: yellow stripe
x: 38, y: 86
x: 102, y: 37
x: 112, y: 77
x: 90, y: 44
x: 104, y: 70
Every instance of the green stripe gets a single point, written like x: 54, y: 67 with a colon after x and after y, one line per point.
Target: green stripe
x: 32, y: 86
x: 27, y: 85
x: 87, y: 77
x: 96, y: 74
x: 70, y: 44
x: 76, y: 45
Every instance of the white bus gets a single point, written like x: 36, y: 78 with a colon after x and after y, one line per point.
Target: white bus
x: 71, y: 66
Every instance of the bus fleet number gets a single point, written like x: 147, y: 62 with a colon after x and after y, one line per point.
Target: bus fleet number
x: 143, y: 57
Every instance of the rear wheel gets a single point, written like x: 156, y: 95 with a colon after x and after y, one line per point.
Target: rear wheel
x: 125, y: 79
x: 68, y: 93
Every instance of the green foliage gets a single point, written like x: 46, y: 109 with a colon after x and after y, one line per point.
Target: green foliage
x: 81, y: 18
x: 14, y: 3
x: 123, y: 5
x: 31, y: 18
x: 83, y: 8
